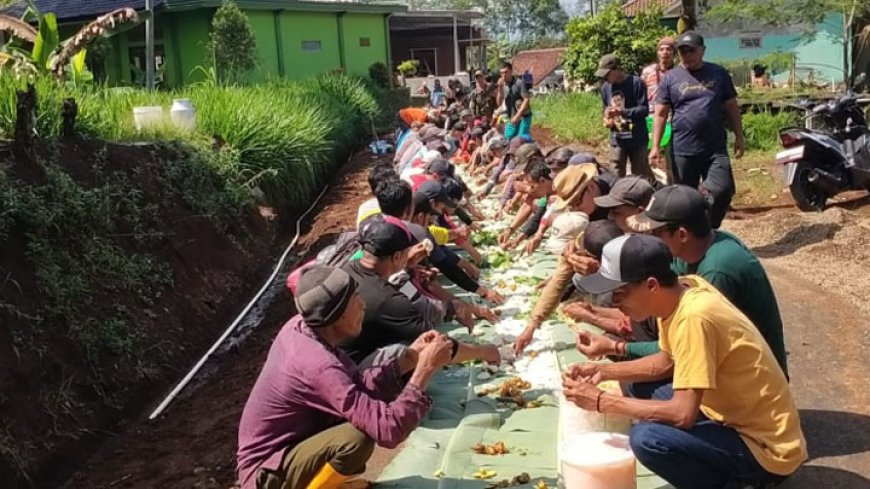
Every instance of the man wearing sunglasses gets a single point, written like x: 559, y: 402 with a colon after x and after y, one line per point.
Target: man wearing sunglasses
x: 704, y: 102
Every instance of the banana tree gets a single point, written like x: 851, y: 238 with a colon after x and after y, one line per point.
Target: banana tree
x: 40, y: 51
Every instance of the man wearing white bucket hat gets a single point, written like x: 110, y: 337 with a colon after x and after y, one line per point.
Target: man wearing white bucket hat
x: 748, y: 431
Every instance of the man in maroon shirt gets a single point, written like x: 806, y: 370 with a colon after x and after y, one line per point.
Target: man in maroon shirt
x: 314, y: 416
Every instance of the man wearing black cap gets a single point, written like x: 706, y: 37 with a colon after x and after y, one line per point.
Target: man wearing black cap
x: 748, y: 432
x: 390, y: 316
x: 678, y: 216
x: 704, y: 101
x: 313, y: 416
x: 625, y: 109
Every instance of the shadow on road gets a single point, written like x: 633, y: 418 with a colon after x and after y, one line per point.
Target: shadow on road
x: 814, y: 476
x: 835, y: 433
x: 798, y: 238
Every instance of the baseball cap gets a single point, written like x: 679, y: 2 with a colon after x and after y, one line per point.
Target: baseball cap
x: 453, y: 188
x: 674, y: 204
x: 436, y: 191
x: 465, y: 113
x: 384, y: 236
x: 628, y: 259
x: 598, y: 234
x: 497, y: 142
x: 422, y: 204
x: 566, y: 227
x: 632, y: 190
x: 478, y: 73
x: 560, y: 155
x: 478, y: 131
x: 441, y: 167
x: 608, y: 62
x: 571, y: 182
x: 323, y: 294
x: 517, y: 142
x: 668, y: 41
x: 581, y: 158
x: 690, y: 38
x: 430, y: 133
x: 438, y: 145
x: 525, y: 153
x: 460, y: 126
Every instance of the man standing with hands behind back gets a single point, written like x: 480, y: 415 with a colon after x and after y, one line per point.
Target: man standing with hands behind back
x: 704, y: 102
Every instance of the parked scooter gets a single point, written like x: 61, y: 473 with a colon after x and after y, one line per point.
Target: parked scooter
x: 820, y: 164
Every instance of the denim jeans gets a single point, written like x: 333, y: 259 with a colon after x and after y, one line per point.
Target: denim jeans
x: 707, y: 456
x: 711, y: 174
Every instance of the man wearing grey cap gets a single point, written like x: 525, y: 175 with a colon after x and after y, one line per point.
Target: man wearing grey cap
x: 704, y: 103
x: 313, y: 416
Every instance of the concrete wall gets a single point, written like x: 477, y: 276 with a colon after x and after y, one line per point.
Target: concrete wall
x: 403, y: 42
x: 357, y: 29
x: 297, y: 27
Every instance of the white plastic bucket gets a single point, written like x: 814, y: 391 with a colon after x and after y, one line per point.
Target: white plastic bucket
x: 145, y: 117
x: 598, y: 461
x: 574, y: 421
x: 183, y: 114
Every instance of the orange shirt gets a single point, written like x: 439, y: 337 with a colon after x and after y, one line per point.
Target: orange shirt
x: 413, y: 114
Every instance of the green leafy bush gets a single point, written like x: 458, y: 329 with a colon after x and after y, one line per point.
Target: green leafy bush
x: 379, y: 73
x: 634, y: 40
x: 762, y: 128
x: 573, y: 116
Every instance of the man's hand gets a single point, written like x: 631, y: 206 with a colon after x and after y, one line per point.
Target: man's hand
x: 582, y: 394
x: 515, y: 120
x: 492, y: 296
x: 582, y: 264
x: 470, y: 269
x: 534, y: 243
x: 595, y: 346
x: 739, y: 147
x: 584, y: 372
x: 524, y: 339
x: 504, y: 236
x: 417, y: 253
x: 490, y: 354
x: 464, y: 315
x: 486, y: 313
x: 435, y: 355
x: 424, y: 339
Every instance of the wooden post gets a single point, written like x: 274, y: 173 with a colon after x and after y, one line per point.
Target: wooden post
x: 25, y: 122
x: 69, y: 113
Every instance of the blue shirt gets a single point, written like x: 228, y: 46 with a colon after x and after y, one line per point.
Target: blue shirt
x: 696, y: 98
x: 633, y: 92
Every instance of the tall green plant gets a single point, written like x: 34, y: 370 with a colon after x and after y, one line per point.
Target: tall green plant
x: 634, y: 40
x: 232, y: 44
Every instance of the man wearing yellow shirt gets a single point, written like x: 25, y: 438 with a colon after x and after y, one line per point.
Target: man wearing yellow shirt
x: 732, y: 421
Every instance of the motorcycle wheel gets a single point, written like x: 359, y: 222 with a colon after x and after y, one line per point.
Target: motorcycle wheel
x: 807, y: 196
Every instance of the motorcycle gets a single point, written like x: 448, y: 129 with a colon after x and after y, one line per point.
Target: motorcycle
x: 820, y: 164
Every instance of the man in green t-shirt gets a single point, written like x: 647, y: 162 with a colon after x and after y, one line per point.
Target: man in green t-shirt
x: 678, y: 216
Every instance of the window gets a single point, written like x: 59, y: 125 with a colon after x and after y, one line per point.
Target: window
x: 311, y: 45
x: 365, y: 42
x: 750, y: 42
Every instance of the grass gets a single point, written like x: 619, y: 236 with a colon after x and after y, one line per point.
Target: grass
x: 576, y: 117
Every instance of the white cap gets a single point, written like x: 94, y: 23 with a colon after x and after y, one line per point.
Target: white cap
x: 566, y: 227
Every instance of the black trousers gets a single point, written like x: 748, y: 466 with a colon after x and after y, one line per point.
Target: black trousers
x: 711, y: 174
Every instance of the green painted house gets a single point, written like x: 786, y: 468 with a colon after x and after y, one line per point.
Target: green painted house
x: 295, y: 39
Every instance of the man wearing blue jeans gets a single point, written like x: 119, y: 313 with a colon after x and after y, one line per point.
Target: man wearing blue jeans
x: 517, y: 99
x: 703, y: 100
x: 732, y: 421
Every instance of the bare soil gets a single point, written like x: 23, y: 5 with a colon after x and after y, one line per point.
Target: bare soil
x: 192, y: 445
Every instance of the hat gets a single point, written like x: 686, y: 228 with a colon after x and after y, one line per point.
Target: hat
x: 668, y: 41
x: 525, y: 153
x: 431, y: 155
x: 440, y: 166
x: 436, y: 191
x: 628, y: 259
x: 517, y: 142
x: 566, y: 227
x: 460, y: 126
x: 478, y: 73
x: 322, y: 294
x: 690, y: 38
x: 384, y: 236
x: 608, y: 62
x: 581, y: 158
x: 598, y: 234
x: 438, y: 145
x: 453, y: 189
x: 465, y: 113
x: 422, y: 204
x: 635, y: 191
x: 561, y: 155
x: 430, y: 133
x: 496, y: 143
x: 478, y: 132
x: 674, y: 204
x: 571, y: 182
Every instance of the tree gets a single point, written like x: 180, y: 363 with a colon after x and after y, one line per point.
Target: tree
x: 808, y: 14
x: 514, y: 20
x: 231, y: 44
x: 633, y: 40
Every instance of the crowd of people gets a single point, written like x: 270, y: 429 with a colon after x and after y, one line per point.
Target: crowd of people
x: 690, y: 320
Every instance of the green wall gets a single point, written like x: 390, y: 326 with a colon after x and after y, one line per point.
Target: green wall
x: 370, y: 26
x: 189, y: 34
x: 309, y: 26
x: 263, y: 25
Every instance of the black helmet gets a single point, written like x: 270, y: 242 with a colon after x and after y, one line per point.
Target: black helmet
x: 561, y: 155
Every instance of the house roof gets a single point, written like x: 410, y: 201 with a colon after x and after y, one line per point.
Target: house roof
x: 68, y: 10
x: 428, y: 19
x: 540, y: 62
x: 669, y: 8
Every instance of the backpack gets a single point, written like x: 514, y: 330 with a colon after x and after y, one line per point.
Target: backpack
x: 334, y: 255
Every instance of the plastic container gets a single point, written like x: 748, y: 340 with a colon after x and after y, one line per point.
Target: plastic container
x: 575, y: 421
x: 598, y: 461
x: 146, y: 117
x: 183, y: 114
